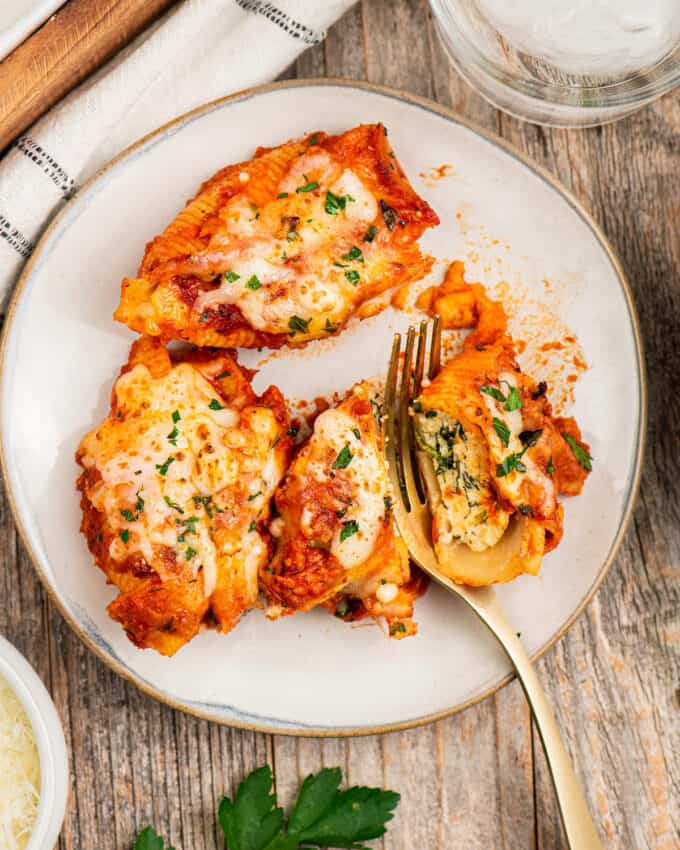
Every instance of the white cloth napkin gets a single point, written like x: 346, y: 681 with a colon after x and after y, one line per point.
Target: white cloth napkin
x: 199, y: 51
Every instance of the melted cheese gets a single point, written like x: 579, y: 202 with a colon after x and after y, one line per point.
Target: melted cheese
x: 173, y: 464
x: 368, y: 481
x: 19, y: 772
x: 287, y: 270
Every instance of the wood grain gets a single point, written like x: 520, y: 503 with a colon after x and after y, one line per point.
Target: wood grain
x: 72, y: 44
x: 476, y: 781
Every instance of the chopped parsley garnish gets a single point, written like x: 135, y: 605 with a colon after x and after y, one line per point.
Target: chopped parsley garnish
x: 205, y: 315
x: 207, y: 503
x: 335, y: 203
x: 298, y: 325
x: 225, y: 374
x: 292, y: 431
x: 125, y: 535
x: 530, y: 438
x: 342, y: 609
x: 526, y: 510
x: 354, y: 254
x: 173, y: 435
x: 330, y: 328
x: 168, y: 501
x: 387, y: 501
x: 344, y: 458
x: 502, y: 430
x: 163, y: 467
x: 175, y: 416
x: 581, y: 455
x: 139, y: 505
x: 314, y: 140
x: 352, y: 276
x: 417, y: 407
x: 550, y: 468
x: 190, y: 553
x: 282, y: 195
x: 215, y: 405
x: 254, y: 496
x: 511, y: 463
x: 430, y: 414
x: 370, y: 234
x: 514, y: 400
x: 252, y: 526
x: 391, y: 216
x: 494, y: 392
x: 253, y: 282
x: 357, y: 433
x: 292, y: 235
x: 348, y: 529
x: 230, y: 277
x: 308, y: 187
x: 397, y: 629
x: 341, y: 513
x: 128, y: 515
x: 189, y: 526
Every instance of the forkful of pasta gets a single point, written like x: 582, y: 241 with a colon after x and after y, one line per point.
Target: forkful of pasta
x: 476, y: 483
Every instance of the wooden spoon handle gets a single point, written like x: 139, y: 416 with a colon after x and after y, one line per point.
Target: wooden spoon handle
x: 72, y: 44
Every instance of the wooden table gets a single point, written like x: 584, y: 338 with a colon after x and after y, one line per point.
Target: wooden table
x: 477, y: 780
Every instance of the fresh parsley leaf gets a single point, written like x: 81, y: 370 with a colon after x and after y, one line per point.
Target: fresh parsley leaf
x: 175, y: 416
x: 352, y: 276
x: 344, y: 458
x: 128, y: 515
x: 391, y: 216
x: 511, y: 463
x: 139, y: 504
x: 225, y: 374
x: 354, y: 254
x: 342, y: 609
x: 163, y: 467
x: 253, y: 282
x: 230, y: 277
x: 308, y: 187
x: 502, y: 430
x: 348, y: 529
x: 215, y: 405
x: 173, y: 435
x: 298, y: 325
x: 550, y: 468
x: 190, y: 553
x: 526, y: 510
x: 335, y: 203
x: 530, y: 438
x: 254, y: 496
x: 581, y: 455
x: 282, y: 195
x: 252, y: 526
x: 397, y: 629
x: 148, y: 839
x: 168, y: 501
x: 330, y: 328
x: 494, y: 392
x: 370, y: 234
x: 357, y: 433
x: 125, y: 535
x: 314, y: 140
x: 514, y: 400
x: 253, y: 820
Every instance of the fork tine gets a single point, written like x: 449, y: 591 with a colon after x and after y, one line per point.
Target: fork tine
x: 435, y: 349
x: 413, y: 493
x: 392, y: 453
x: 420, y: 359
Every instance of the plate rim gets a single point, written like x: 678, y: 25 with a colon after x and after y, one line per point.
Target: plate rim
x: 445, y: 112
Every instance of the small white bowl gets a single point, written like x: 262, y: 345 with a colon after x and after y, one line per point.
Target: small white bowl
x: 49, y: 737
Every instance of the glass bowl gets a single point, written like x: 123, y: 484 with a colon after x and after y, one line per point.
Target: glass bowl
x: 570, y: 63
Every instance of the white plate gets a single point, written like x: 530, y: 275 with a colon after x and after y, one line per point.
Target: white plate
x: 19, y: 18
x: 312, y: 674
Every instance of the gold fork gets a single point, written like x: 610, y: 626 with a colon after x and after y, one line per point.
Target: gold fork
x: 414, y: 521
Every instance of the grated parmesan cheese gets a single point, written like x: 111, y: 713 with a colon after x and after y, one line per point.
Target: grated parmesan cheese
x: 19, y: 772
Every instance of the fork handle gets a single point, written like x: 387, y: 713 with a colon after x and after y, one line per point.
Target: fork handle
x: 578, y: 823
